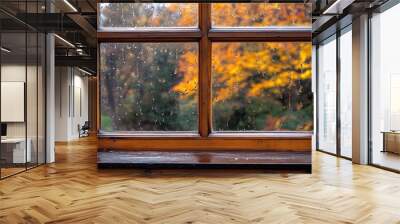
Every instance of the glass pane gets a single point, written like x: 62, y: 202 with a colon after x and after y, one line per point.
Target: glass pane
x: 149, y: 86
x: 385, y: 89
x: 41, y: 98
x: 32, y: 89
x: 261, y: 86
x: 147, y: 15
x: 327, y: 96
x: 14, y: 152
x: 32, y: 98
x: 346, y: 94
x: 260, y: 14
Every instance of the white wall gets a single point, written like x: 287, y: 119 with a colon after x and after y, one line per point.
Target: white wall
x: 62, y: 81
x: 80, y: 112
x: 71, y: 102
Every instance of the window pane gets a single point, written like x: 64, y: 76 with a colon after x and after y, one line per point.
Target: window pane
x: 149, y: 86
x: 385, y: 88
x: 260, y: 14
x: 147, y: 15
x: 41, y: 99
x: 32, y: 99
x: 13, y: 157
x: 261, y: 86
x: 327, y: 96
x: 346, y: 94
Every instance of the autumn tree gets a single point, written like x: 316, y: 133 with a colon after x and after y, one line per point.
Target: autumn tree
x: 255, y: 86
x: 137, y: 79
x: 259, y: 86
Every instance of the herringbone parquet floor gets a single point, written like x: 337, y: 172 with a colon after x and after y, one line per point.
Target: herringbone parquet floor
x: 74, y: 191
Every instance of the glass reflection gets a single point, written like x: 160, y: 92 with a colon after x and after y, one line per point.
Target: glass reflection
x: 15, y: 150
x: 31, y: 99
x: 22, y: 90
x: 385, y: 89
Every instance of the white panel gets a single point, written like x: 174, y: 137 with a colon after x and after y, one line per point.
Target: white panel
x: 12, y: 101
x: 50, y: 95
x: 394, y: 102
x: 77, y: 112
x: 360, y: 90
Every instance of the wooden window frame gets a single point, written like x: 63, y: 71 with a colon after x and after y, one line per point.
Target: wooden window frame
x: 205, y: 139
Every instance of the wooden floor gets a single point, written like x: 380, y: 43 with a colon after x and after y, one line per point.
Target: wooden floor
x: 73, y: 190
x: 5, y: 172
x: 386, y: 159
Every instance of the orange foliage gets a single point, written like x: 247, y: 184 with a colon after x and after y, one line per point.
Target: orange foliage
x: 234, y: 63
x: 252, y: 69
x: 188, y: 65
x: 260, y: 14
x: 187, y: 11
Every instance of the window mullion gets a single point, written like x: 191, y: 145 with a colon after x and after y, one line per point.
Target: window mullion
x: 205, y: 71
x: 255, y: 34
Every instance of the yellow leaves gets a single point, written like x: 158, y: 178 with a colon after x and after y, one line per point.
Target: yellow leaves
x: 188, y: 66
x: 256, y: 66
x: 305, y: 52
x: 236, y: 64
x: 260, y: 14
x: 173, y: 7
x: 283, y: 79
x: 306, y: 75
x: 222, y: 95
x: 187, y: 16
x: 187, y: 13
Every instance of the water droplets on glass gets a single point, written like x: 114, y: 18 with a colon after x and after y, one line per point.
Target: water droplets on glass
x: 114, y: 16
x: 260, y: 86
x: 261, y: 14
x: 149, y: 91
